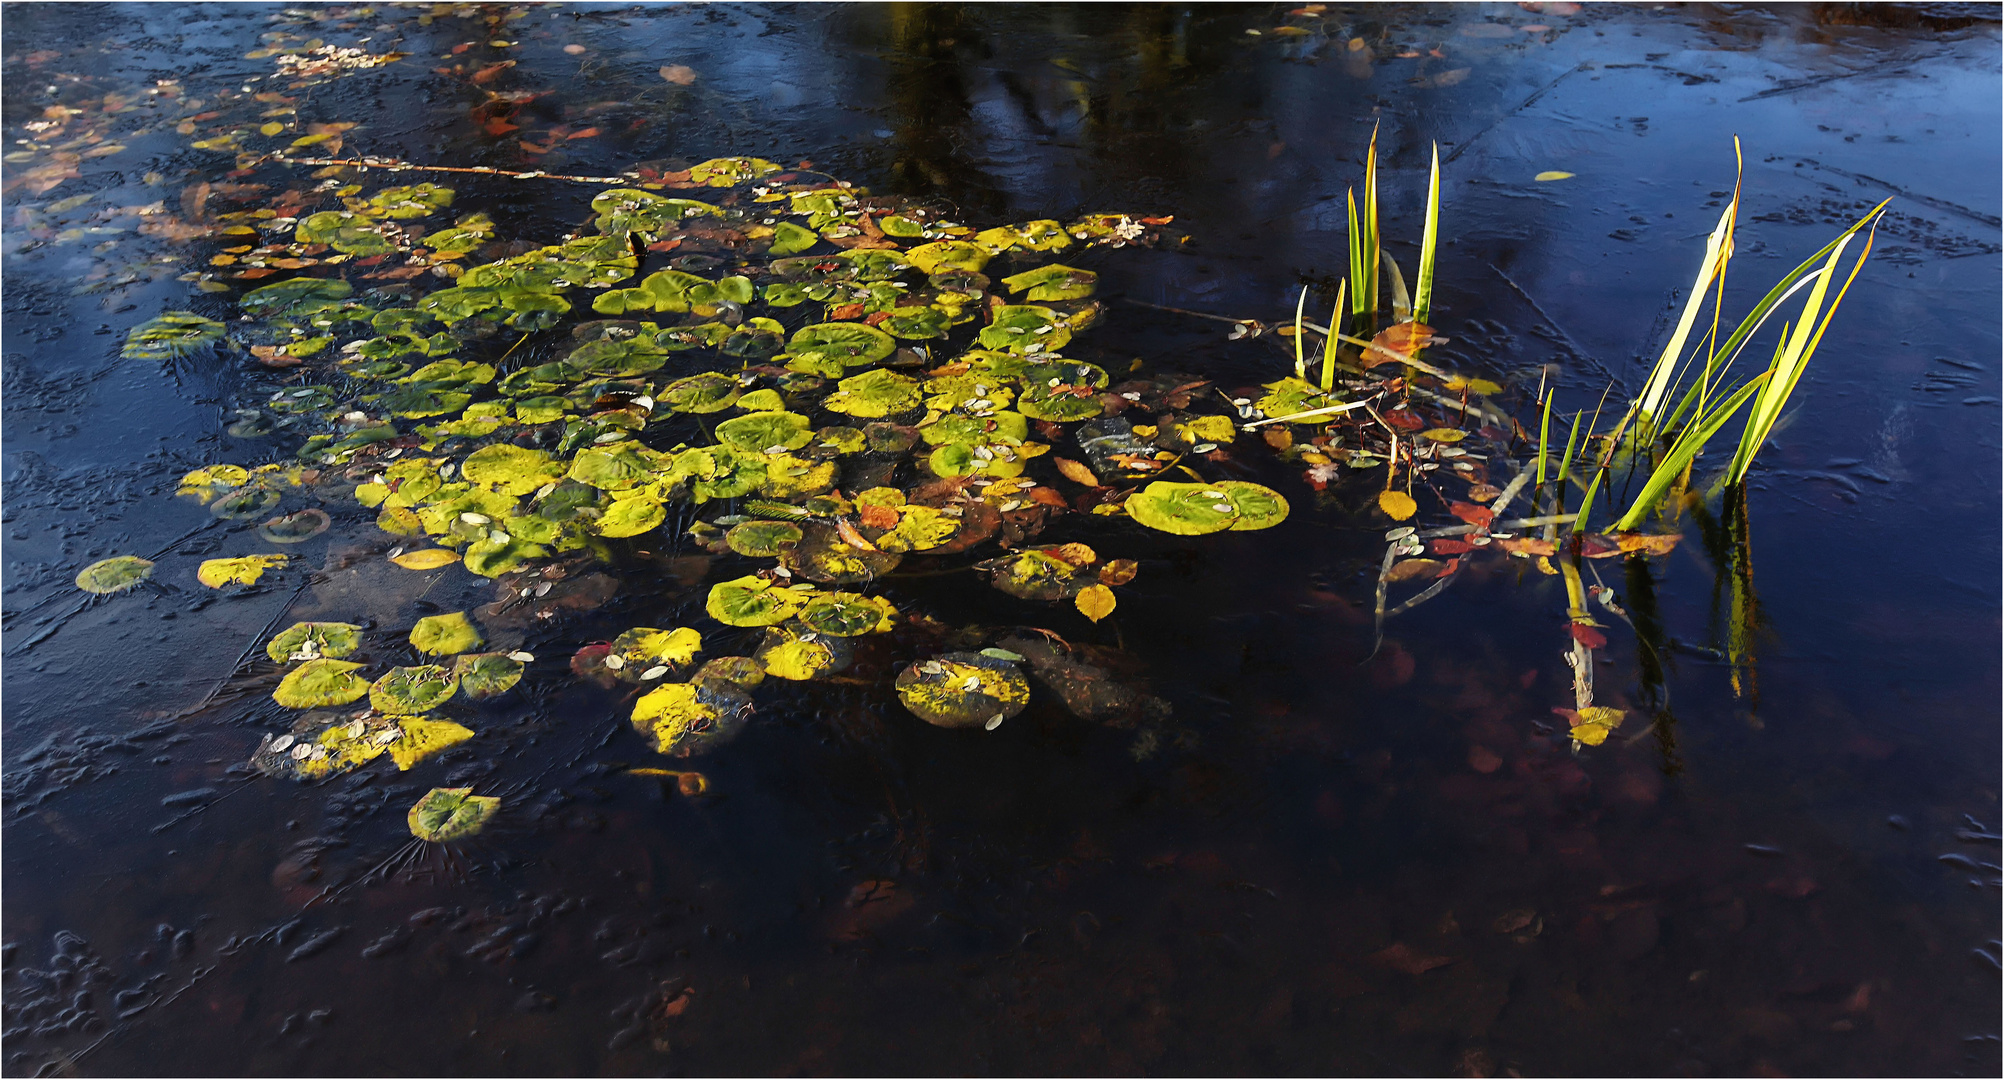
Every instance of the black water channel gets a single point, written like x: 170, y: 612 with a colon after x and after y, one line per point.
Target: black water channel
x: 1321, y: 864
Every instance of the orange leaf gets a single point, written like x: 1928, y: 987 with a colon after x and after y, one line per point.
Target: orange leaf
x: 1047, y: 497
x: 1407, y: 569
x: 1647, y: 545
x: 1076, y: 472
x: 845, y: 311
x: 588, y: 133
x: 1397, y: 343
x: 1527, y: 546
x: 878, y: 517
x: 847, y: 530
x: 1075, y: 554
x: 1118, y: 572
x: 1588, y: 636
x: 1448, y: 545
x: 679, y: 74
x: 1478, y: 516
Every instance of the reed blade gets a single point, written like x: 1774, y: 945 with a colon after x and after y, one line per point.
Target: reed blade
x: 1329, y: 342
x: 1430, y: 242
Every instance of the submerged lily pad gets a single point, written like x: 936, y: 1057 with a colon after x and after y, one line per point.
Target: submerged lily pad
x: 409, y: 691
x: 845, y: 614
x: 443, y: 635
x: 297, y: 527
x: 314, y: 641
x: 1197, y: 509
x: 823, y: 555
x: 448, y: 814
x: 1040, y: 573
x: 170, y: 336
x: 318, y: 684
x: 114, y: 575
x: 687, y: 718
x: 485, y: 675
x: 762, y: 539
x: 245, y: 502
x: 964, y: 690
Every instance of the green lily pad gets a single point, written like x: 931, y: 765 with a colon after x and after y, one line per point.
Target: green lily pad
x: 344, y: 231
x: 683, y: 718
x: 873, y: 394
x: 739, y: 671
x: 718, y: 472
x: 411, y: 201
x: 318, y: 684
x: 615, y: 468
x: 409, y: 691
x: 1290, y: 396
x: 846, y: 614
x: 963, y: 690
x: 949, y: 255
x: 314, y: 641
x: 443, y: 635
x: 448, y: 814
x: 784, y: 294
x: 1038, y: 574
x: 851, y: 344
x: 630, y: 515
x: 245, y: 502
x: 1053, y: 282
x: 170, y: 336
x: 624, y: 210
x: 1025, y: 329
x: 509, y: 469
x: 798, y: 656
x: 1197, y: 509
x: 765, y: 432
x: 762, y: 539
x: 485, y: 675
x: 790, y: 239
x: 753, y: 601
x: 114, y: 575
x: 917, y: 323
x: 283, y: 296
x: 705, y: 393
x: 493, y: 557
x: 646, y: 655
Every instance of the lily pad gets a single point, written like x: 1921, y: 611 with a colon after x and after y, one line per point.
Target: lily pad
x: 705, y: 393
x: 509, y: 469
x: 765, y: 432
x: 420, y: 737
x: 170, y: 336
x: 823, y: 555
x: 850, y: 344
x: 846, y: 614
x: 753, y: 601
x: 314, y: 641
x: 644, y: 654
x: 114, y: 575
x: 1197, y: 509
x: 485, y: 675
x: 245, y: 502
x: 631, y: 514
x: 873, y: 394
x: 281, y: 297
x: 1040, y: 573
x: 443, y: 635
x: 949, y: 255
x: 412, y: 201
x: 448, y: 814
x: 790, y: 239
x: 245, y: 570
x: 683, y: 718
x: 964, y: 690
x: 762, y: 539
x: 798, y: 656
x: 1053, y: 282
x: 738, y: 671
x: 318, y: 684
x: 409, y: 691
x: 1025, y: 329
x: 297, y: 527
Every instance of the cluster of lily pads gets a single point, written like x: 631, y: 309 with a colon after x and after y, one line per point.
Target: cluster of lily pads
x: 791, y: 369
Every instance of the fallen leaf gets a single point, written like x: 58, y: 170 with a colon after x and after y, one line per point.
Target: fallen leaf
x: 1526, y: 545
x: 1408, y: 569
x: 679, y: 74
x: 1552, y: 174
x: 1397, y: 505
x: 1478, y: 516
x: 1118, y: 571
x: 878, y: 517
x: 1588, y: 636
x: 1395, y: 343
x: 1095, y: 602
x: 1076, y: 472
x: 1448, y: 545
x: 1648, y: 545
x: 426, y: 559
x: 850, y: 536
x: 1399, y: 957
x: 574, y: 50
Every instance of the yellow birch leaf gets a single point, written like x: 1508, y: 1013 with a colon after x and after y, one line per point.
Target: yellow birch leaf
x: 216, y: 573
x: 427, y: 559
x: 1076, y: 472
x: 1552, y: 174
x: 1397, y: 505
x: 1095, y: 602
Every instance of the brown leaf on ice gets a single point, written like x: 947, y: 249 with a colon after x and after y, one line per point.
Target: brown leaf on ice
x: 1399, y: 957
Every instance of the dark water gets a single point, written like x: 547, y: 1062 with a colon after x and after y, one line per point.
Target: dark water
x: 1788, y: 880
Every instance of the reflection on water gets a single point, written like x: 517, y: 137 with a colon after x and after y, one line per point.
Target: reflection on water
x: 1320, y: 864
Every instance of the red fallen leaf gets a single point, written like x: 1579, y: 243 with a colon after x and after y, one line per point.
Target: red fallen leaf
x: 1594, y: 546
x: 878, y: 517
x: 1630, y: 543
x: 1452, y: 565
x: 1048, y: 497
x: 1478, y: 516
x: 588, y: 133
x: 1588, y: 636
x: 373, y: 260
x: 589, y: 663
x: 1526, y: 545
x: 497, y: 126
x: 254, y: 273
x: 678, y: 1004
x: 491, y: 71
x: 1404, y: 419
x: 845, y: 311
x: 461, y: 47
x: 1399, y: 957
x: 1396, y: 343
x: 876, y: 317
x: 1448, y: 545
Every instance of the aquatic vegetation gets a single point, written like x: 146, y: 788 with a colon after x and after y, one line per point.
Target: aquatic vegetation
x: 114, y: 575
x: 171, y: 336
x: 444, y: 815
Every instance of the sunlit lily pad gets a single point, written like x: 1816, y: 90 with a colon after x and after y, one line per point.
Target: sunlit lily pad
x: 297, y: 527
x: 280, y: 297
x: 845, y: 614
x: 318, y: 684
x: 443, y: 635
x: 448, y: 814
x: 1041, y: 573
x: 114, y: 575
x: 170, y: 336
x: 739, y: 671
x: 948, y: 255
x: 420, y: 737
x: 848, y: 343
x: 964, y: 690
x: 705, y: 393
x: 645, y: 655
x: 765, y: 432
x: 823, y: 555
x: 314, y: 641
x: 244, y: 570
x: 684, y: 718
x: 873, y: 394
x: 412, y: 201
x: 409, y: 691
x: 798, y: 655
x: 1197, y: 509
x: 485, y: 675
x: 1053, y: 282
x: 510, y: 470
x: 204, y: 485
x: 630, y: 514
x: 753, y: 601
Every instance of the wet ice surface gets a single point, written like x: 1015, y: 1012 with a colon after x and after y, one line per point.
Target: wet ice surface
x: 1321, y: 867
